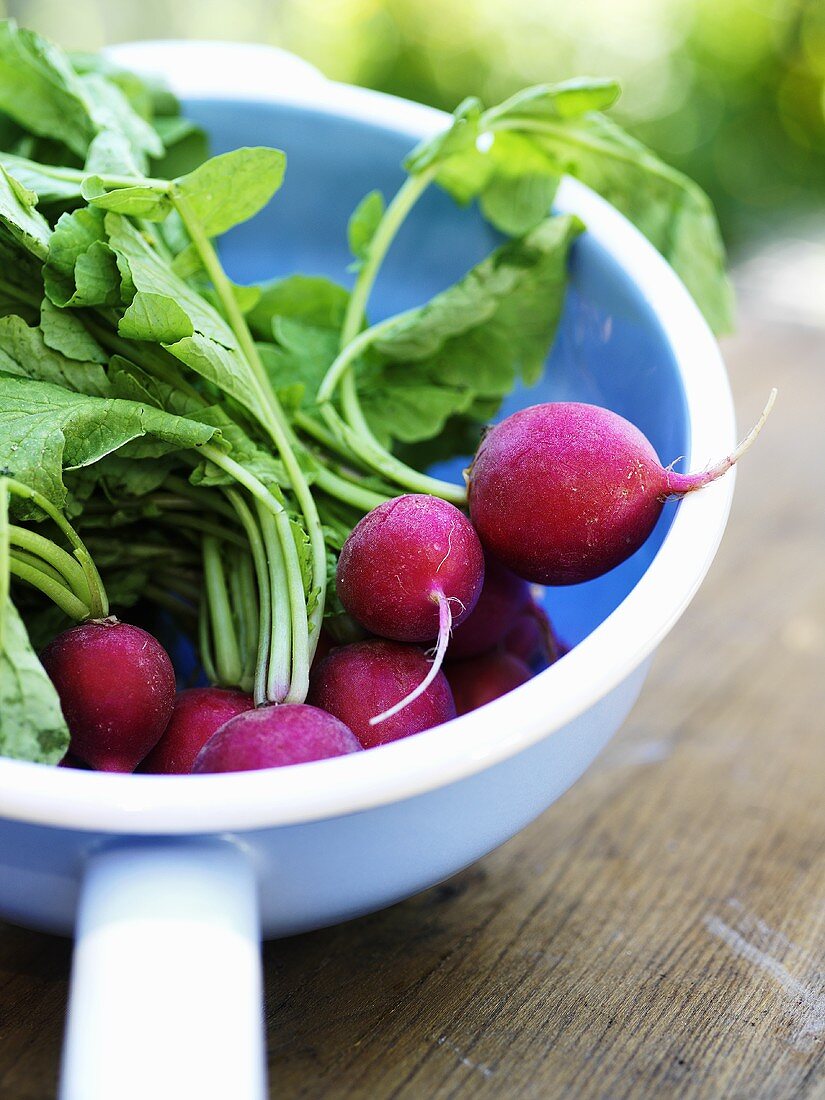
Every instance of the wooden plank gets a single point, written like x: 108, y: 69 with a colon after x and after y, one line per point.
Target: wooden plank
x: 659, y: 932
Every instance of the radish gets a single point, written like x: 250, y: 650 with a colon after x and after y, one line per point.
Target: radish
x: 69, y: 761
x: 273, y: 737
x: 410, y: 570
x: 482, y: 679
x: 564, y: 492
x: 116, y: 687
x: 356, y: 682
x: 533, y: 639
x: 197, y: 714
x: 502, y: 600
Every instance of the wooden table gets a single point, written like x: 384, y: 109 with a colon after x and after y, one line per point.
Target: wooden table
x: 659, y: 932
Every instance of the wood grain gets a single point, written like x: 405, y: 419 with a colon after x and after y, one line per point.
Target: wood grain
x: 659, y: 932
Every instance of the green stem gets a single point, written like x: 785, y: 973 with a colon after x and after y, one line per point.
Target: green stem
x: 56, y: 591
x: 27, y: 558
x: 64, y: 565
x: 405, y: 199
x: 301, y: 645
x: 349, y: 492
x: 225, y: 641
x: 99, y: 601
x: 394, y: 217
x: 351, y: 351
x: 243, y: 593
x: 278, y: 682
x: 78, y: 175
x: 205, y: 642
x: 385, y: 463
x: 273, y: 418
x: 265, y: 598
x: 21, y: 295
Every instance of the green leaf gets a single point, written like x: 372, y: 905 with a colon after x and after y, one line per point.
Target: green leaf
x: 362, y: 225
x: 568, y: 99
x: 300, y: 358
x: 256, y: 460
x: 111, y: 111
x: 40, y: 91
x: 25, y: 354
x: 224, y: 367
x: 137, y: 202
x: 32, y: 726
x: 186, y: 146
x: 154, y: 317
x: 19, y: 217
x: 232, y: 187
x: 46, y: 428
x: 111, y: 154
x: 673, y: 212
x: 473, y: 340
x: 63, y: 331
x: 460, y: 136
x: 81, y: 269
x: 310, y: 298
x: 151, y: 273
x: 514, y: 204
x: 51, y: 184
x: 133, y: 383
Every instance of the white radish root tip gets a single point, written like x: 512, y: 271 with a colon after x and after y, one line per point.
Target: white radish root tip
x: 445, y: 622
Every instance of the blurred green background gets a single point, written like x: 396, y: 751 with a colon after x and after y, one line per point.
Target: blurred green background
x: 731, y: 91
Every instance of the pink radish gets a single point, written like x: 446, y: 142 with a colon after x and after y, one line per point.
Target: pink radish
x: 502, y: 600
x: 356, y: 682
x: 69, y: 761
x: 116, y: 686
x: 410, y: 570
x: 564, y: 492
x: 482, y: 679
x: 273, y: 737
x: 197, y: 714
x: 533, y: 639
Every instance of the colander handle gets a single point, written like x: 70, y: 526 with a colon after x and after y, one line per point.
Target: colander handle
x: 166, y: 980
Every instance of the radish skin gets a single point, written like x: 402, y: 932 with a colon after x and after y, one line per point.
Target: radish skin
x: 564, y: 492
x: 356, y: 682
x: 480, y: 680
x: 275, y: 737
x: 197, y: 714
x: 410, y: 570
x: 116, y: 687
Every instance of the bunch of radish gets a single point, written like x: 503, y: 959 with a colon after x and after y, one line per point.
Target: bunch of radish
x: 557, y: 494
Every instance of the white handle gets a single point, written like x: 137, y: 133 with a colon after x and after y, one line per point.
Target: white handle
x: 166, y: 980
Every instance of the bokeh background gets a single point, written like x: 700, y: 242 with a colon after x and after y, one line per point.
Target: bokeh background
x: 732, y: 91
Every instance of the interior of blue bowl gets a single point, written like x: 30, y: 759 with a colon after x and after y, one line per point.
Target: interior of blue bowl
x: 610, y: 348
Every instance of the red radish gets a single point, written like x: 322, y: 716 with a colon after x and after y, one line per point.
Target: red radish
x: 410, y: 570
x: 503, y: 597
x: 564, y: 492
x: 358, y: 681
x: 273, y: 737
x: 116, y: 686
x: 533, y: 639
x: 482, y: 679
x: 197, y: 714
x: 69, y: 761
